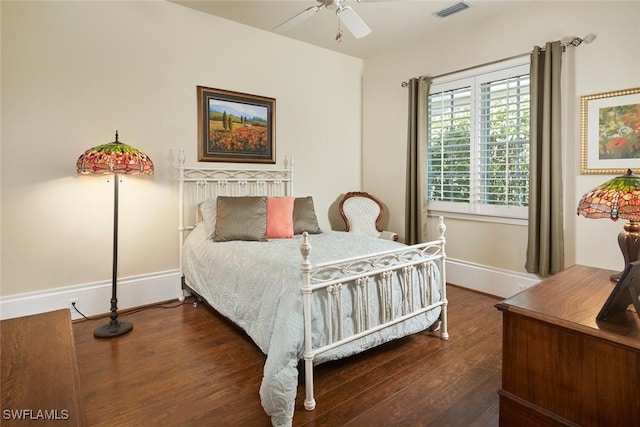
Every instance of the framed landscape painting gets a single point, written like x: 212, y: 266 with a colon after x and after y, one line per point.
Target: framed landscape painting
x: 235, y: 127
x: 610, y: 132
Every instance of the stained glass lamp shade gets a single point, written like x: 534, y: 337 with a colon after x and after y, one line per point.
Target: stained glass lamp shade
x: 617, y: 198
x: 114, y: 158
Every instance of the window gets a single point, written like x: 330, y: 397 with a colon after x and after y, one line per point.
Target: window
x: 478, y: 141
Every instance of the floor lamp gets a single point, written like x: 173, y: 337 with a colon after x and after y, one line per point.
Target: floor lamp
x: 114, y: 158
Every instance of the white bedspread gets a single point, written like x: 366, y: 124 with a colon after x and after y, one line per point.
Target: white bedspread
x: 257, y: 286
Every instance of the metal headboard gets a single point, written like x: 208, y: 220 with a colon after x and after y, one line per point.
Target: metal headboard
x: 199, y: 184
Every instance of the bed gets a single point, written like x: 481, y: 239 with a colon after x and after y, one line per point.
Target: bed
x: 303, y: 295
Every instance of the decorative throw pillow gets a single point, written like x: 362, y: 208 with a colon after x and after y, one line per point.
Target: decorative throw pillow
x: 279, y: 217
x: 208, y: 212
x: 304, y: 216
x: 241, y: 218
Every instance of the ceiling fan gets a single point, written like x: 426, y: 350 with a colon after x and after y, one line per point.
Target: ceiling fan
x: 346, y: 15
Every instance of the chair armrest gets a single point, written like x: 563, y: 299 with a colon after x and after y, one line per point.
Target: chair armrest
x: 389, y: 235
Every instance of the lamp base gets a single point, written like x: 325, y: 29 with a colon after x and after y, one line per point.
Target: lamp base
x: 615, y: 276
x: 113, y: 329
x: 629, y: 242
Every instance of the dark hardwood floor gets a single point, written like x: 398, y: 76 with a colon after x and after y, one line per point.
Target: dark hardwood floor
x: 187, y: 366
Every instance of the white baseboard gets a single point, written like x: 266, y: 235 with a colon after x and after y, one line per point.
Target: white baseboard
x: 489, y: 280
x: 94, y: 298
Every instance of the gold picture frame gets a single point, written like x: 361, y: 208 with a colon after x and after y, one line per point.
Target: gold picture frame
x: 610, y: 132
x: 235, y: 127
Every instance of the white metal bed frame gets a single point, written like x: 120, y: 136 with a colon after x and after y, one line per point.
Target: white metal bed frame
x: 412, y: 264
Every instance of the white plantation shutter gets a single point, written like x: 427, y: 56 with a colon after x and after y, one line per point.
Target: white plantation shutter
x: 450, y: 149
x: 478, y: 142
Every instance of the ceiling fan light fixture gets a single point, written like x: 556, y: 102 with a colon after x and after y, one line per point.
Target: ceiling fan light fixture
x: 448, y: 11
x: 353, y: 22
x: 331, y: 4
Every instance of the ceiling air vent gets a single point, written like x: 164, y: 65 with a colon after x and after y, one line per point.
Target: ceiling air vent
x: 458, y: 7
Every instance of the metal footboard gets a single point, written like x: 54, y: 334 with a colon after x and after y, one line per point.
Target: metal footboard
x: 408, y: 281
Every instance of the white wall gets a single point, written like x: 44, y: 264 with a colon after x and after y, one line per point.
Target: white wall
x: 611, y: 62
x: 74, y: 72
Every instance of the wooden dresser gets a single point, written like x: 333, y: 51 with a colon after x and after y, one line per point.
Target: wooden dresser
x: 40, y: 379
x: 560, y: 366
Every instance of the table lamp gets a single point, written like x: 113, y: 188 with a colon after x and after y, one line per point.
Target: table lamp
x: 617, y: 198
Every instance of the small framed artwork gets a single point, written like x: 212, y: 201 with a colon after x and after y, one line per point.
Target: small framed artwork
x: 235, y: 127
x: 610, y: 132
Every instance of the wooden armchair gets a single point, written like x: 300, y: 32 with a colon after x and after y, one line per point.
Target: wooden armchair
x: 362, y: 213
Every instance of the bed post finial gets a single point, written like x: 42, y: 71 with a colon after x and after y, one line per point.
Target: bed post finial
x: 441, y: 227
x: 305, y: 248
x: 290, y: 165
x: 289, y: 162
x: 181, y: 157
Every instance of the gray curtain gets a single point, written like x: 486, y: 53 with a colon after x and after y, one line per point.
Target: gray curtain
x: 415, y: 203
x: 545, y: 249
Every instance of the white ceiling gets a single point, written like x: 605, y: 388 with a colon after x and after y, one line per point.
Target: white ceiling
x: 393, y: 23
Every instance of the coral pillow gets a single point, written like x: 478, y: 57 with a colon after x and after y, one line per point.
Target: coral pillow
x: 279, y: 217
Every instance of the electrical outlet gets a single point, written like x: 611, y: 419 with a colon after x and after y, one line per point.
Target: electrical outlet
x: 71, y: 302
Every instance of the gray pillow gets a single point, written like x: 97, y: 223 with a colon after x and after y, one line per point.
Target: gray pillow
x: 241, y: 218
x: 304, y: 216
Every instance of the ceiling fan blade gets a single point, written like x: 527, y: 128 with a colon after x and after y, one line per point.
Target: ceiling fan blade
x: 295, y: 20
x: 353, y: 22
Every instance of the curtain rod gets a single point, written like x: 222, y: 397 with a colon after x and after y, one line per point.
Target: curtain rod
x: 575, y: 42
